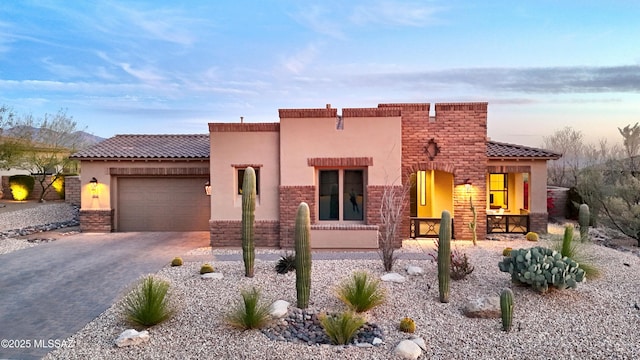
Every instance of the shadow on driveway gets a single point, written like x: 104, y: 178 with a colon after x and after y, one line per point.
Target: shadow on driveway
x: 50, y: 291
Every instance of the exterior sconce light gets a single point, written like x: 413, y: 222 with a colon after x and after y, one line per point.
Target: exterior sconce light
x: 94, y: 187
x: 207, y: 188
x: 467, y: 185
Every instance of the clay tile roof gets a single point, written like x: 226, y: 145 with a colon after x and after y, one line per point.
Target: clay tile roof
x: 149, y: 147
x: 503, y: 150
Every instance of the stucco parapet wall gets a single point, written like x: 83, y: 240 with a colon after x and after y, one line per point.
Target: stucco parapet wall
x: 307, y: 113
x: 340, y: 162
x: 244, y: 127
x: 371, y: 112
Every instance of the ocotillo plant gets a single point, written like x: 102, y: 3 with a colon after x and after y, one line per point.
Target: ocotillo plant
x: 566, y: 240
x: 474, y: 223
x: 248, y: 218
x: 444, y: 256
x: 506, y: 308
x: 583, y: 220
x: 303, y: 255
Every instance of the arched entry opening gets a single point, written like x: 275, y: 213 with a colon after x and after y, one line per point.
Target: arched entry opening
x: 431, y: 193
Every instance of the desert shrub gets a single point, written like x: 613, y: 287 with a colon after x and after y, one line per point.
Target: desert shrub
x: 407, y: 325
x: 21, y: 186
x: 531, y: 236
x: 148, y: 303
x: 342, y: 327
x: 177, y: 261
x: 361, y: 292
x: 542, y: 267
x: 251, y: 313
x: 206, y: 268
x: 286, y: 263
x: 460, y: 266
x: 58, y: 186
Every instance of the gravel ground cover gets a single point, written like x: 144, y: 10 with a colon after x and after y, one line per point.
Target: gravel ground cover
x: 598, y: 320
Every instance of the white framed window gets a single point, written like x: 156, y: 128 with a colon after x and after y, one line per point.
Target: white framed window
x: 341, y: 195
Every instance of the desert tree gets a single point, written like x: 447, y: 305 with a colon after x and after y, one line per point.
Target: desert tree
x: 391, y: 210
x: 570, y: 143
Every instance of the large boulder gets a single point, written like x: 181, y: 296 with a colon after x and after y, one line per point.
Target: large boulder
x: 486, y: 307
x: 131, y: 337
x: 414, y: 270
x: 279, y: 308
x: 392, y: 277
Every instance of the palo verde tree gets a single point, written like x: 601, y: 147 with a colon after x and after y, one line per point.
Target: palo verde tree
x: 44, y: 145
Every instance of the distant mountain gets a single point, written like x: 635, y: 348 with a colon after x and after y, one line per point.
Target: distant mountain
x: 89, y: 139
x: 86, y: 139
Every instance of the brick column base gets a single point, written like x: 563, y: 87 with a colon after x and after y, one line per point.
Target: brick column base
x: 229, y: 233
x: 538, y: 222
x: 96, y: 220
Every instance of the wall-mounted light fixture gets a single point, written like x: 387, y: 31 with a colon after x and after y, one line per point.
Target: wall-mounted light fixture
x: 207, y: 188
x: 467, y: 185
x: 94, y: 187
x: 422, y: 185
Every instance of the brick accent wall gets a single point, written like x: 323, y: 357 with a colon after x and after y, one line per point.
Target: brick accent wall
x: 374, y: 201
x: 290, y: 198
x: 340, y: 162
x: 243, y: 127
x: 72, y: 190
x: 159, y: 171
x: 538, y: 222
x: 459, y: 130
x: 96, y: 220
x: 229, y: 233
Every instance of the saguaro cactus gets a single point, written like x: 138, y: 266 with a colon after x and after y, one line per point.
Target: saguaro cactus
x: 583, y: 220
x: 303, y: 255
x: 566, y: 240
x: 248, y: 218
x: 506, y: 308
x: 444, y: 256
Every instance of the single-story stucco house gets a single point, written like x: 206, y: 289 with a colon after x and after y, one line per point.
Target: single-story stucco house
x: 338, y: 163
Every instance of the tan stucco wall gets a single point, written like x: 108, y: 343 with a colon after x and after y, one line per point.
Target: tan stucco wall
x: 537, y: 185
x: 244, y: 148
x: 375, y: 137
x: 108, y: 185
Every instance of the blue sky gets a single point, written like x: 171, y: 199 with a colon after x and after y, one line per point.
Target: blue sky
x: 127, y: 67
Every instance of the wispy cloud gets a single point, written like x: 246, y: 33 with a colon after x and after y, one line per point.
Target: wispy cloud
x: 397, y: 13
x: 321, y: 20
x: 569, y: 79
x: 298, y: 62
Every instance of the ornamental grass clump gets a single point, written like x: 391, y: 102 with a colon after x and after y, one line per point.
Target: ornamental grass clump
x: 251, y: 313
x: 342, y: 327
x: 361, y: 292
x: 573, y: 249
x: 148, y: 303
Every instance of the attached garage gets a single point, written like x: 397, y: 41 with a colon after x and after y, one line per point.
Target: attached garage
x: 162, y: 204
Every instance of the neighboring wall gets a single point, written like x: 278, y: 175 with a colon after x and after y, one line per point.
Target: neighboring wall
x: 51, y: 194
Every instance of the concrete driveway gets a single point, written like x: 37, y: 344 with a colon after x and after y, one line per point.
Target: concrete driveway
x: 50, y: 291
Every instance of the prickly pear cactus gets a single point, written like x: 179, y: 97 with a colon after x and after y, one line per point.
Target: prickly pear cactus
x: 506, y: 308
x: 583, y: 219
x: 303, y: 255
x: 248, y: 218
x: 541, y: 268
x: 444, y: 256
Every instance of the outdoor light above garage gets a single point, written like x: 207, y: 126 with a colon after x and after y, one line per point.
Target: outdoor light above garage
x: 94, y: 187
x: 207, y: 188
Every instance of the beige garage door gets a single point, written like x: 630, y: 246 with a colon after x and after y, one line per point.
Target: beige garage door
x: 162, y: 204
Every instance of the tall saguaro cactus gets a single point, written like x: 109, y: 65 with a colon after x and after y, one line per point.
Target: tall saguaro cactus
x: 303, y: 255
x: 583, y: 221
x: 444, y: 256
x: 248, y: 219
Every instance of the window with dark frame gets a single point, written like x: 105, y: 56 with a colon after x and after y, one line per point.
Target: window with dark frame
x: 498, y: 191
x: 341, y: 195
x: 240, y: 172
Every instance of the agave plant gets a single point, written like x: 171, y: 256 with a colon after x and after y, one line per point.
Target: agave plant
x: 286, y: 263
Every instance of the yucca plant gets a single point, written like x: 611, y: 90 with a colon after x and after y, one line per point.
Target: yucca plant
x: 361, y: 292
x: 251, y: 313
x: 342, y: 327
x: 148, y: 303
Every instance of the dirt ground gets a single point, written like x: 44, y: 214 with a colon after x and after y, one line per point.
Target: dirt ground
x: 13, y: 205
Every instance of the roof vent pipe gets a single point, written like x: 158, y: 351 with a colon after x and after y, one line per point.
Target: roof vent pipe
x: 241, y: 119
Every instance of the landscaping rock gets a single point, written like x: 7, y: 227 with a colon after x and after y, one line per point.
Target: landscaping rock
x: 215, y: 276
x: 392, y: 277
x: 377, y: 341
x: 414, y: 270
x: 486, y: 307
x: 408, y: 349
x: 279, y: 308
x: 131, y: 337
x: 420, y: 342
